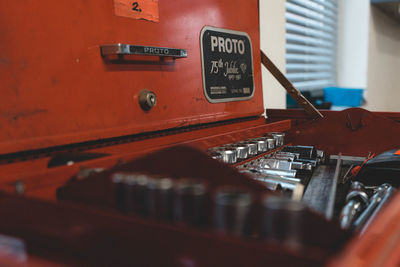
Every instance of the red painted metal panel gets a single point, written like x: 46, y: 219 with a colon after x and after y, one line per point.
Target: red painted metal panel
x: 379, y: 245
x: 298, y: 115
x: 42, y: 182
x: 352, y: 131
x: 57, y: 89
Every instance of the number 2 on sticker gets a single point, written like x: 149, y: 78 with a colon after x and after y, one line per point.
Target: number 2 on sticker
x: 135, y: 7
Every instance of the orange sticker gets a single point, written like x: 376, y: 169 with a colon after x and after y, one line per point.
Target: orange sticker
x: 141, y: 9
x: 397, y: 152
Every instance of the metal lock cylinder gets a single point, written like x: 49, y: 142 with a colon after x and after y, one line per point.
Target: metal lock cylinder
x: 147, y: 99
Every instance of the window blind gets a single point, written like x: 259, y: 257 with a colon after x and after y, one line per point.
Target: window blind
x: 311, y: 27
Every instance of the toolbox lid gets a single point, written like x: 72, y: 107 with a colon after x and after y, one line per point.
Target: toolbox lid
x: 58, y: 88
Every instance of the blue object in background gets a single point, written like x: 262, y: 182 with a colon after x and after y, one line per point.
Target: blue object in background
x: 384, y: 1
x: 348, y: 97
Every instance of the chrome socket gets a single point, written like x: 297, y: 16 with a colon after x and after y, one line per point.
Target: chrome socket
x: 262, y: 144
x: 226, y: 154
x: 279, y: 138
x: 242, y: 151
x: 271, y: 143
x: 252, y: 145
x: 190, y: 201
x: 232, y: 209
x: 229, y: 155
x: 131, y: 192
x: 283, y: 221
x: 159, y: 199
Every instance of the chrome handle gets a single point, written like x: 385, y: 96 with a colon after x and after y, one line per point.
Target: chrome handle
x: 127, y: 49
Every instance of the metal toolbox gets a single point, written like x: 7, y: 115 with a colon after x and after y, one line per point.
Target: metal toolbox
x: 101, y: 99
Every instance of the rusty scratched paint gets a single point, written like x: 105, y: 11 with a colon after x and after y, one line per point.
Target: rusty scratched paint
x: 15, y: 116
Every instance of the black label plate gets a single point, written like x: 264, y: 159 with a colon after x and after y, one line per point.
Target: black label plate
x: 227, y: 62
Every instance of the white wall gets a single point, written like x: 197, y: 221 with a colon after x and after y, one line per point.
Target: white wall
x: 272, y: 31
x: 352, y: 50
x: 368, y: 52
x: 383, y: 88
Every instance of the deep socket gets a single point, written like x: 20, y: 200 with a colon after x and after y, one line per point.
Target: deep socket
x: 232, y: 209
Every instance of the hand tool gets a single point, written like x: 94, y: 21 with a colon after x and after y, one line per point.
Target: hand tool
x: 270, y: 142
x: 242, y: 150
x: 296, y: 188
x: 279, y: 138
x: 255, y: 173
x: 377, y: 202
x: 283, y: 221
x: 160, y: 198
x: 277, y: 172
x: 271, y: 185
x: 278, y: 183
x: 274, y: 163
x: 118, y: 179
x: 271, y: 163
x: 232, y: 208
x: 285, y: 155
x: 130, y: 192
x: 227, y: 155
x: 262, y: 144
x: 190, y: 201
x: 357, y: 200
x: 252, y: 145
x: 373, y: 203
x: 305, y: 152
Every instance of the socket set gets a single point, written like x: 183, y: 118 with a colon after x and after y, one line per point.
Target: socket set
x: 231, y: 201
x: 246, y: 149
x: 220, y: 200
x: 286, y: 170
x: 226, y: 209
x: 161, y: 197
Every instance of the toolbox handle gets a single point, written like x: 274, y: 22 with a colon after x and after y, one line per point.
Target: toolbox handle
x: 127, y: 49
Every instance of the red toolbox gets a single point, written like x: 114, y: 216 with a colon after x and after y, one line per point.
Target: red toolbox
x: 94, y: 89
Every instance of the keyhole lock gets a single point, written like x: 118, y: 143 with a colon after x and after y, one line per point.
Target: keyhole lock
x: 147, y: 99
